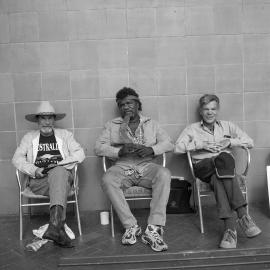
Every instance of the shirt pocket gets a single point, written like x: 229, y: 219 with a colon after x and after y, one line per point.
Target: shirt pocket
x: 115, y: 138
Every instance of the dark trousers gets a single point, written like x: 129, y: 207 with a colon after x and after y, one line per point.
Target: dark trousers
x: 227, y: 191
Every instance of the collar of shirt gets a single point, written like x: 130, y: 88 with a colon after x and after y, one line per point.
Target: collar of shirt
x: 119, y: 120
x: 138, y: 136
x: 217, y: 122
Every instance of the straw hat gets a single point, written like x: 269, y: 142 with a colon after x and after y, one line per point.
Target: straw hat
x: 44, y: 108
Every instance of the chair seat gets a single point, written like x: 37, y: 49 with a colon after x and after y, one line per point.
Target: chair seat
x: 137, y: 192
x: 28, y: 193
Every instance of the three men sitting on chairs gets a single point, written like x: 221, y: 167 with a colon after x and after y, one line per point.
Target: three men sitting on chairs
x: 133, y: 141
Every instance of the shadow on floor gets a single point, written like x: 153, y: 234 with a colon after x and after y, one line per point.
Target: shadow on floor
x: 182, y: 234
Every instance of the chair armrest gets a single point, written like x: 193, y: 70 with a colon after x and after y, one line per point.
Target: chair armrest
x: 104, y: 165
x: 76, y: 178
x: 191, y: 164
x: 18, y: 178
x: 164, y: 160
x: 22, y: 179
x: 248, y: 160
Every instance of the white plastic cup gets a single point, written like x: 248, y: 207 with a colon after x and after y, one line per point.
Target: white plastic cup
x: 104, y: 218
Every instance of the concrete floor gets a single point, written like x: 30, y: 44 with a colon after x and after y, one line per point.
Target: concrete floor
x: 96, y: 244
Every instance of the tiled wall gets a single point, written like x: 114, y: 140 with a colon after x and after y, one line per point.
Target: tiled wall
x: 78, y: 53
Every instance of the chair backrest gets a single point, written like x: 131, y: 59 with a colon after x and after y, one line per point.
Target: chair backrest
x: 106, y: 162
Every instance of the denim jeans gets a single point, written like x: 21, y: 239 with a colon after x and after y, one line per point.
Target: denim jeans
x: 149, y: 175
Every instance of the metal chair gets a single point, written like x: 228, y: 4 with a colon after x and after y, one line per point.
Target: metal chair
x: 26, y: 193
x: 268, y: 182
x: 202, y: 189
x: 133, y: 193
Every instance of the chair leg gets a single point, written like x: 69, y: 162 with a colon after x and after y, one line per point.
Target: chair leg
x: 199, y: 204
x: 30, y: 208
x: 246, y: 197
x: 74, y: 210
x: 78, y: 214
x: 195, y: 207
x: 20, y: 216
x: 112, y: 221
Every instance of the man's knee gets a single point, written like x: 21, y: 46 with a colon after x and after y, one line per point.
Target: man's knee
x: 109, y: 178
x: 164, y: 175
x: 59, y: 176
x: 59, y: 171
x: 106, y: 179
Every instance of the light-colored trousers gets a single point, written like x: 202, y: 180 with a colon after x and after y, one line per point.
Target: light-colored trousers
x: 56, y: 185
x: 153, y: 176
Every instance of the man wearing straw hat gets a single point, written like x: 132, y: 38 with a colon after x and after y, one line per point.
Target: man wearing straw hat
x: 39, y: 154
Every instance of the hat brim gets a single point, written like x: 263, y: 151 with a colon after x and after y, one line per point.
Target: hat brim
x: 34, y: 117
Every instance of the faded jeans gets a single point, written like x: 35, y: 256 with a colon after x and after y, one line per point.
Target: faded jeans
x: 148, y: 175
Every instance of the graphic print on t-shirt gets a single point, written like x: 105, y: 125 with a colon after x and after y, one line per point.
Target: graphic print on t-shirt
x: 48, y: 152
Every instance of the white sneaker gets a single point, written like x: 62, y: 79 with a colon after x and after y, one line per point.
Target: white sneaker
x: 153, y: 237
x: 130, y: 235
x: 229, y: 239
x: 248, y: 226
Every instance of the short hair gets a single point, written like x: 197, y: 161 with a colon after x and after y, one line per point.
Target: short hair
x: 207, y: 98
x: 127, y: 91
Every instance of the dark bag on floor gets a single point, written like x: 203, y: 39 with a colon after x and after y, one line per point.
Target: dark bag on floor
x: 179, y: 197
